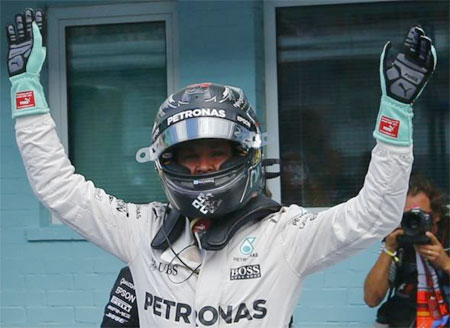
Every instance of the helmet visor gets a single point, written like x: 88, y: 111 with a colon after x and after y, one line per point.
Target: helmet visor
x: 202, y: 128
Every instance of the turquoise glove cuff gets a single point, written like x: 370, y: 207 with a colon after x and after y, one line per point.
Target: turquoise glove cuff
x: 27, y: 95
x: 394, y: 122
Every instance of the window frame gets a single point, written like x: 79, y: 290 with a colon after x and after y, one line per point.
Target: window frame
x: 271, y: 77
x: 60, y: 18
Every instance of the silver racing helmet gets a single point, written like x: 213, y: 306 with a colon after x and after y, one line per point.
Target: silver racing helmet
x: 207, y: 111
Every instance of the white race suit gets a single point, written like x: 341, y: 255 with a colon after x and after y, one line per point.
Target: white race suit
x: 255, y: 281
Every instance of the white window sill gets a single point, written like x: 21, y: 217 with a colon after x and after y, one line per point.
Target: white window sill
x: 53, y: 233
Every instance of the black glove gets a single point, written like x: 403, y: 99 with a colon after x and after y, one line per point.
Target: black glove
x: 20, y: 39
x: 407, y: 71
x: 403, y: 76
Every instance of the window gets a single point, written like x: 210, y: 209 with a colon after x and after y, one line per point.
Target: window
x: 328, y: 95
x: 110, y: 69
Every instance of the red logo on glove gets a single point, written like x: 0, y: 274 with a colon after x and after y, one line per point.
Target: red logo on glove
x: 25, y: 99
x: 389, y: 127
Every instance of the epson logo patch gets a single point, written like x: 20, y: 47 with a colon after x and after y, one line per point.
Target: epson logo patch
x: 245, y: 272
x: 244, y: 121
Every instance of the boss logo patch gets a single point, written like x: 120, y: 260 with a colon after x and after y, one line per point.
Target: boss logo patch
x: 245, y: 272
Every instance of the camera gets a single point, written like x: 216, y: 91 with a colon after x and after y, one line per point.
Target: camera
x: 414, y: 224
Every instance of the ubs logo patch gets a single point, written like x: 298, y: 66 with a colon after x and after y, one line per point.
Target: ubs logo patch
x: 245, y: 272
x: 167, y: 268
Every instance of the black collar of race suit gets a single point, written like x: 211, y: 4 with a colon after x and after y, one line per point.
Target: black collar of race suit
x: 221, y: 231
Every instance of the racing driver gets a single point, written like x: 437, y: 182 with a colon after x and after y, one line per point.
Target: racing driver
x: 232, y: 257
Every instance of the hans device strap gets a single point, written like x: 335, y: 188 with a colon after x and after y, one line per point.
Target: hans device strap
x: 218, y: 236
x: 222, y: 230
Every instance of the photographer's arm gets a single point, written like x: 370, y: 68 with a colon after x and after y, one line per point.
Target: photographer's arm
x: 376, y: 284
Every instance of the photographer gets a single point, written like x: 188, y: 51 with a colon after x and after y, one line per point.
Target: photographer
x: 412, y: 256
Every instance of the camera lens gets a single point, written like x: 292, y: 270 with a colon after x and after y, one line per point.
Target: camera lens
x: 415, y: 223
x: 412, y: 221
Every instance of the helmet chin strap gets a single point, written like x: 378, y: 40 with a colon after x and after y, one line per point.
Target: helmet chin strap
x: 221, y: 231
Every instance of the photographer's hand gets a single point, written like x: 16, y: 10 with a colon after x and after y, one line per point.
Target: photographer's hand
x: 376, y: 284
x: 391, y: 242
x: 435, y: 253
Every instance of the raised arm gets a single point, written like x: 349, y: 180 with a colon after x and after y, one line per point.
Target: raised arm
x: 101, y: 218
x: 376, y: 211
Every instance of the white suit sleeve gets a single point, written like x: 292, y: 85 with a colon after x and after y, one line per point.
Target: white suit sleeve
x: 100, y: 218
x: 313, y: 242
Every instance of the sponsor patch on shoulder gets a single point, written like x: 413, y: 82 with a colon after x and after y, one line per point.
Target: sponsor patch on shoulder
x: 301, y: 219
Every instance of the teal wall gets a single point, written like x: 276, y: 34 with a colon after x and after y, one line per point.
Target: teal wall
x: 50, y: 277
x: 221, y: 42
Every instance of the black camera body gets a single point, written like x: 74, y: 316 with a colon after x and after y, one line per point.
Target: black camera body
x: 414, y: 224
